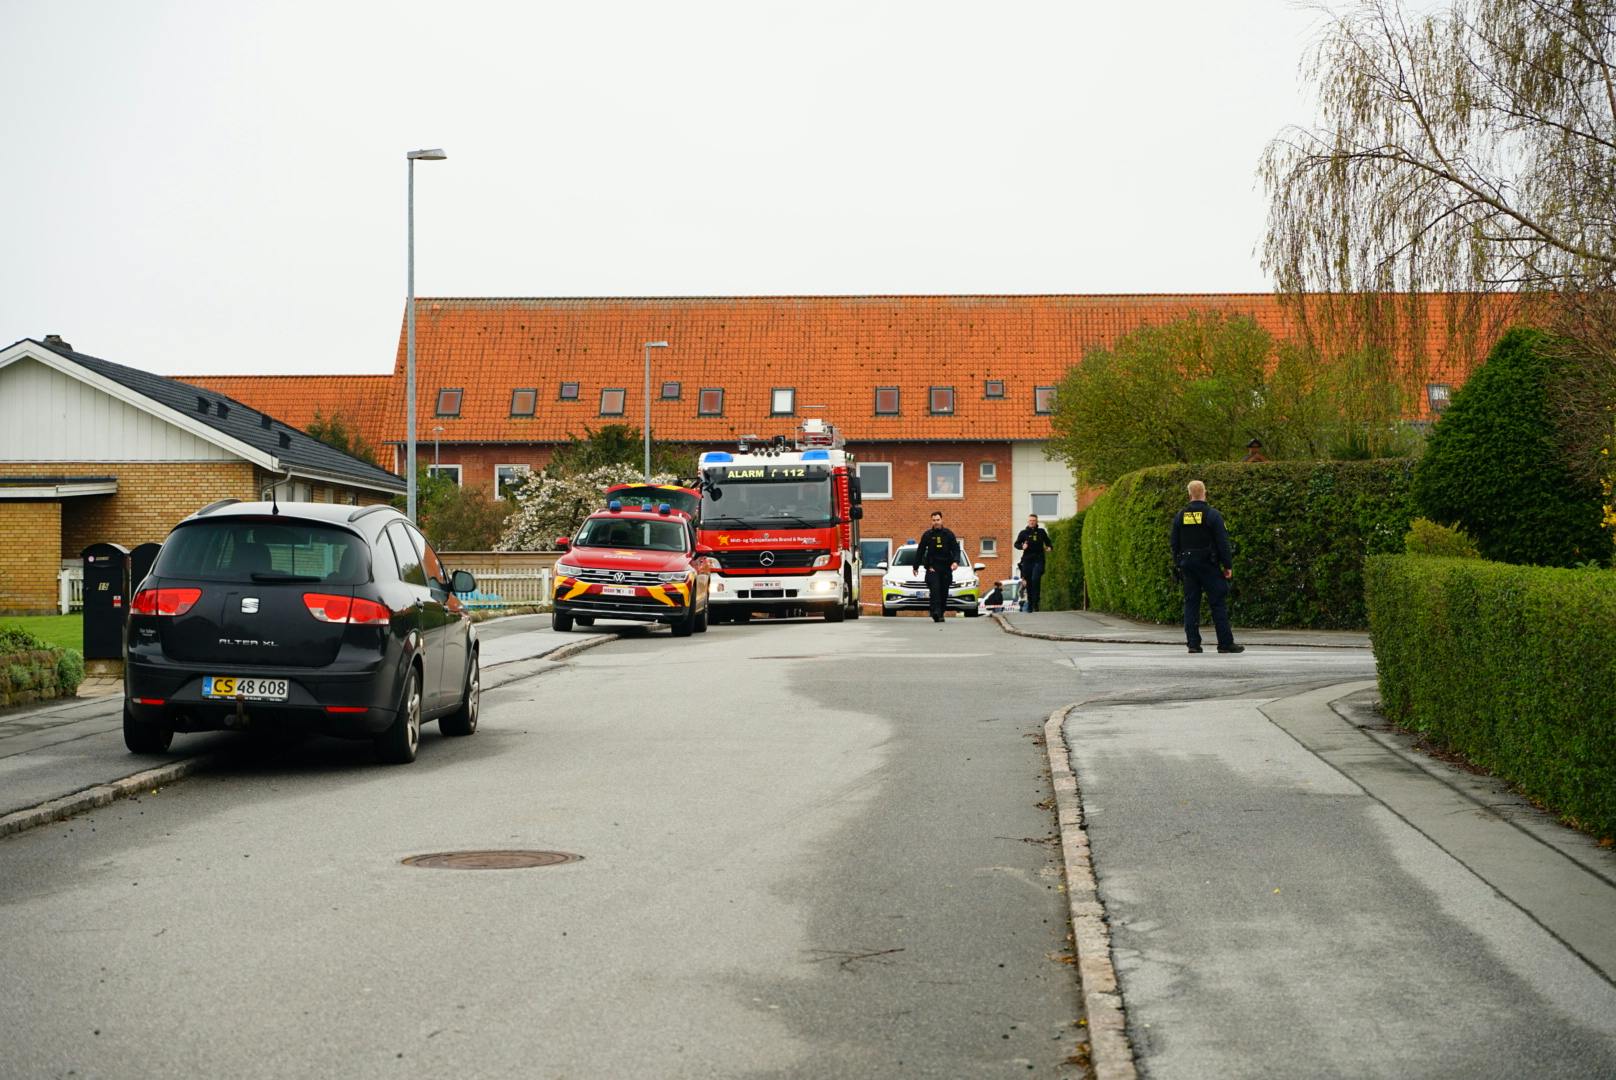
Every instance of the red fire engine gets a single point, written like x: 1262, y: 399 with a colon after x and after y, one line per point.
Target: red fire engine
x: 781, y: 518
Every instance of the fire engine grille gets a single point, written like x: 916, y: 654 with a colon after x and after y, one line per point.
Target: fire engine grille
x: 776, y: 560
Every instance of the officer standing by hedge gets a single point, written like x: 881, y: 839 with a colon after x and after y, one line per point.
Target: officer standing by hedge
x: 1202, y: 562
x: 1033, y: 542
x: 939, y: 556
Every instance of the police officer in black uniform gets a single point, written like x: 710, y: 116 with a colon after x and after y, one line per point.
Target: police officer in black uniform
x: 939, y: 554
x: 1201, y: 555
x: 1033, y: 542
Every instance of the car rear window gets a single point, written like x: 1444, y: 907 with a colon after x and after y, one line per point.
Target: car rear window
x: 263, y: 551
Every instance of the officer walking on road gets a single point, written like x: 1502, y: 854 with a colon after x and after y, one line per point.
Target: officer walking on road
x: 939, y: 555
x: 1033, y: 542
x: 1202, y: 561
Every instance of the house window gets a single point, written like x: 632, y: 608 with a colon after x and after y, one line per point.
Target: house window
x: 449, y: 402
x: 611, y: 401
x: 670, y: 391
x: 710, y: 402
x: 782, y: 402
x: 1046, y: 504
x: 448, y: 472
x: 507, y: 477
x: 945, y: 479
x: 988, y: 472
x: 569, y: 392
x: 993, y: 389
x: 1438, y: 394
x: 942, y: 401
x: 990, y: 547
x: 886, y: 401
x: 873, y: 551
x: 875, y: 479
x: 1043, y: 400
x: 523, y: 402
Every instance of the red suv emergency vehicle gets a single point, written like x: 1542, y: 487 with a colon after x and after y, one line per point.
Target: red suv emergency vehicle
x: 632, y: 563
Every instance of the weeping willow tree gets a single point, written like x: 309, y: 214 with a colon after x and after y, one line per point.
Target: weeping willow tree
x: 1468, y: 152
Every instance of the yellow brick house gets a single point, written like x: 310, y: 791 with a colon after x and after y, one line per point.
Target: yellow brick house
x: 95, y: 451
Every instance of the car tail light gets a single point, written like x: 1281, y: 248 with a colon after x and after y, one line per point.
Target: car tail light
x: 165, y: 601
x: 328, y: 607
x: 148, y: 701
x: 345, y: 709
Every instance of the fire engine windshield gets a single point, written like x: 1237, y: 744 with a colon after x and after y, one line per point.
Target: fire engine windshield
x: 801, y: 503
x: 632, y: 534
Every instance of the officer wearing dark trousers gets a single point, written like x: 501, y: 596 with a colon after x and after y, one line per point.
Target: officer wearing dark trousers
x: 939, y: 555
x: 1033, y: 542
x: 1201, y: 555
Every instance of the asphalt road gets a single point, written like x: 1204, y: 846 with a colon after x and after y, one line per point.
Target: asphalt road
x: 808, y: 851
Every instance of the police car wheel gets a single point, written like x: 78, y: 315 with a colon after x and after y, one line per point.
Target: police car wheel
x: 889, y: 612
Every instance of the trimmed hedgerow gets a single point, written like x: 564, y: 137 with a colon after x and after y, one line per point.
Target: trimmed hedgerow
x: 1062, y: 588
x: 1512, y: 666
x: 1299, y: 532
x: 1495, y: 463
x: 31, y: 670
x: 1426, y: 537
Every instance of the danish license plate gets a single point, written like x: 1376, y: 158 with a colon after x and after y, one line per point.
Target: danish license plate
x: 768, y: 583
x: 231, y: 686
x: 617, y: 590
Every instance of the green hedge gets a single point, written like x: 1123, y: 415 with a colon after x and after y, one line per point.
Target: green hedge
x: 1062, y: 588
x: 1512, y: 666
x: 1299, y: 532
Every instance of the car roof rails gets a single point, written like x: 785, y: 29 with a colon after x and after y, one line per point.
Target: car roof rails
x: 212, y: 506
x: 363, y: 510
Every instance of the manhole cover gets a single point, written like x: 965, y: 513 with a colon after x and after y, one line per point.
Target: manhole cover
x: 490, y: 860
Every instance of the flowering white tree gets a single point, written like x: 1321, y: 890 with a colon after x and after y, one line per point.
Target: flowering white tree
x: 549, y: 504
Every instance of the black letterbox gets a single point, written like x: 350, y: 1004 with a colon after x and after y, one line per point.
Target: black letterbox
x: 140, y: 564
x: 106, y: 600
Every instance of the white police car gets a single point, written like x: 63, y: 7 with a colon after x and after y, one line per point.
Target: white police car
x: 903, y: 586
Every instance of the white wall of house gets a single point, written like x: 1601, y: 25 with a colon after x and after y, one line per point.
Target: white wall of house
x: 1033, y: 474
x: 48, y: 416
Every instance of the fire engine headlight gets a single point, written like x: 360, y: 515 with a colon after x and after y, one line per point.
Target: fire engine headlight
x: 822, y: 560
x: 822, y: 586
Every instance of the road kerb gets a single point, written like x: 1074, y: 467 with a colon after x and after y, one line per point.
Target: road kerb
x: 1163, y: 639
x: 1110, y: 1052
x: 91, y: 798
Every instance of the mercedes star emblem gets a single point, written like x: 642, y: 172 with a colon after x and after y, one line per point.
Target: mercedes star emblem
x: 767, y: 558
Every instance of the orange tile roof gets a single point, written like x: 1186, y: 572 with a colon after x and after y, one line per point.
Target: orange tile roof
x: 834, y: 351
x: 294, y: 399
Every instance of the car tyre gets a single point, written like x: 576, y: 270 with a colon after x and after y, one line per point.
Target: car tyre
x: 972, y: 612
x: 703, y: 617
x: 836, y: 612
x: 560, y: 621
x: 399, y: 744
x: 463, y: 721
x: 889, y: 612
x: 584, y: 620
x: 144, y: 738
x: 685, y: 625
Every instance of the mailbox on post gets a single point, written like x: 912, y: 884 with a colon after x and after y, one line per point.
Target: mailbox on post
x: 106, y: 600
x: 140, y: 564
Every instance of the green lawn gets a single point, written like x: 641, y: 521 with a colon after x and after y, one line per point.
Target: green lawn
x: 65, y: 631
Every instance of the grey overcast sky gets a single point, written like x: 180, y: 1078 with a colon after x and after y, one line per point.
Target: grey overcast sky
x: 220, y: 187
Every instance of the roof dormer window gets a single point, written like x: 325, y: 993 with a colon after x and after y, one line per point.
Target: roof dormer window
x: 449, y: 402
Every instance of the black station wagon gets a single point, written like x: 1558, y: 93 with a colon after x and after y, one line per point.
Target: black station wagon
x: 300, y: 617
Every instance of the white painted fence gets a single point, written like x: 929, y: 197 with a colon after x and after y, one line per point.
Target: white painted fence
x: 70, y: 589
x: 508, y: 588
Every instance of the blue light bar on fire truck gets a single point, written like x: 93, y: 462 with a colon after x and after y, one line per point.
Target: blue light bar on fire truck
x: 716, y: 457
x: 816, y: 455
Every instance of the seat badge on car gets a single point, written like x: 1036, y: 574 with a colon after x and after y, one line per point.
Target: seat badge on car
x: 249, y: 605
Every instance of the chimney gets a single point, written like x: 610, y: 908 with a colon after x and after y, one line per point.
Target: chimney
x: 55, y: 341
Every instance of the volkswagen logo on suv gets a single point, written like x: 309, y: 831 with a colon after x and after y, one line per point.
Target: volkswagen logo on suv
x: 767, y: 558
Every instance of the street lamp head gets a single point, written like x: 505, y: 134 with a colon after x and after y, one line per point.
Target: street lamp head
x: 426, y: 155
x: 656, y: 344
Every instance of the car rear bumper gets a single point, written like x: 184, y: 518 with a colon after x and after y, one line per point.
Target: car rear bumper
x: 351, y: 702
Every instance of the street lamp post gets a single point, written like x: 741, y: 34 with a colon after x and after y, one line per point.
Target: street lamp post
x: 409, y: 335
x: 649, y: 345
